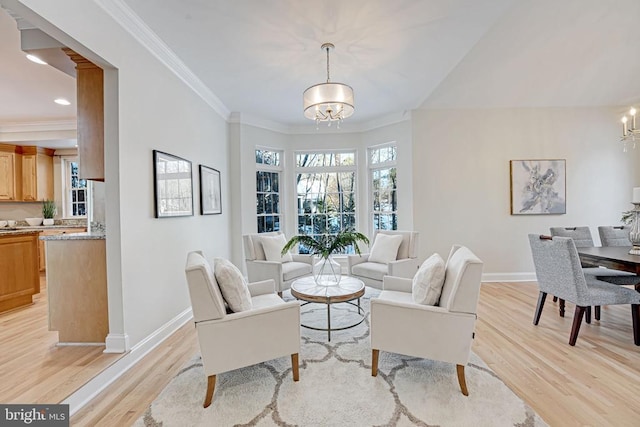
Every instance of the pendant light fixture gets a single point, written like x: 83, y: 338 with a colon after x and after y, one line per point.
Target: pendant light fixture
x: 328, y: 102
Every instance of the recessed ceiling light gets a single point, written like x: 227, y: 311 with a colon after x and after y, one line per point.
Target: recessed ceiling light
x: 35, y: 59
x: 61, y: 101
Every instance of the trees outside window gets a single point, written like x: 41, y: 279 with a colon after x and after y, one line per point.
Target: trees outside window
x: 268, y: 171
x: 75, y: 202
x: 326, y: 193
x: 383, y: 184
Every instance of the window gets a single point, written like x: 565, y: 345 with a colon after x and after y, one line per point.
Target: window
x: 75, y: 201
x: 268, y: 171
x: 326, y: 188
x: 382, y: 171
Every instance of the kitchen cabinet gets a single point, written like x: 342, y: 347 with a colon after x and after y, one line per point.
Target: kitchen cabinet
x: 7, y: 176
x: 53, y: 232
x: 77, y: 290
x: 90, y: 113
x: 37, y: 174
x: 19, y: 267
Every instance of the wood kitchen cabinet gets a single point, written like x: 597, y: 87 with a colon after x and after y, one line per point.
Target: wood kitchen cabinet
x: 7, y: 176
x: 37, y: 174
x: 90, y: 112
x: 53, y: 232
x: 19, y: 268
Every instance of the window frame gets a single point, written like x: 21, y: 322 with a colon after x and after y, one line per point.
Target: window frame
x: 326, y: 170
x: 380, y: 166
x: 279, y: 169
x: 67, y: 199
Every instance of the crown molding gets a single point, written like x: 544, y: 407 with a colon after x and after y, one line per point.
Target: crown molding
x: 135, y: 26
x: 39, y: 126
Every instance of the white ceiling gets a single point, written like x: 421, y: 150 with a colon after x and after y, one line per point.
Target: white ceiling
x: 258, y: 56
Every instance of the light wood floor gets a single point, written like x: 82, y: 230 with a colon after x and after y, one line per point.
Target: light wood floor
x: 595, y: 383
x: 32, y: 368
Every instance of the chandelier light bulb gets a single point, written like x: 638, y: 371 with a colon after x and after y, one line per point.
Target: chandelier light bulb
x: 624, y: 119
x: 632, y: 112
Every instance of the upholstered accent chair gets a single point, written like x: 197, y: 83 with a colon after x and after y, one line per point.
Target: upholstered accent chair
x: 282, y: 272
x: 614, y: 235
x: 559, y: 272
x: 443, y: 332
x: 270, y: 329
x: 403, y: 263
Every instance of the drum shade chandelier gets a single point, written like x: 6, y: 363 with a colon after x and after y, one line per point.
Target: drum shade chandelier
x: 630, y: 133
x: 328, y: 102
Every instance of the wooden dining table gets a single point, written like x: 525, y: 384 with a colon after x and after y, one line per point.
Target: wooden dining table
x: 614, y: 257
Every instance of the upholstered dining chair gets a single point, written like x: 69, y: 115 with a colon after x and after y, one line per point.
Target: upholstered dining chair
x: 268, y: 330
x: 582, y: 239
x: 442, y: 332
x: 264, y: 261
x: 559, y: 272
x: 614, y: 235
x: 393, y: 253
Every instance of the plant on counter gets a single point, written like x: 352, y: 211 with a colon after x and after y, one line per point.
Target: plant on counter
x: 48, y: 209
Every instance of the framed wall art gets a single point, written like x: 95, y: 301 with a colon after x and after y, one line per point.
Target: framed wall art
x: 538, y: 187
x: 210, y: 194
x: 173, y: 185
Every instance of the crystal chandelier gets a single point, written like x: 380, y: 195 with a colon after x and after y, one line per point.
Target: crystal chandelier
x: 630, y: 134
x: 328, y: 102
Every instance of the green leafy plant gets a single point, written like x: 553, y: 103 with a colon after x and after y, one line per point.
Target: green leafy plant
x: 627, y: 217
x: 327, y: 244
x: 48, y: 209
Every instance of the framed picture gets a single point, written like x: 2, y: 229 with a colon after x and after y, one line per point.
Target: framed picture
x: 210, y: 194
x: 173, y: 185
x: 538, y: 187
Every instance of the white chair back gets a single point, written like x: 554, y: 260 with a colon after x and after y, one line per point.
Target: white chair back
x: 206, y: 299
x: 409, y: 246
x: 463, y: 275
x: 253, y: 249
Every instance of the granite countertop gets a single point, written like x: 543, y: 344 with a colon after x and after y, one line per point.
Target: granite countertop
x: 76, y: 236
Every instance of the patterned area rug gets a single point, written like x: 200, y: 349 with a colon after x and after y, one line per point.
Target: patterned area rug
x: 336, y: 387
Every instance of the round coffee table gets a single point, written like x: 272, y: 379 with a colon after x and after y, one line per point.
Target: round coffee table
x: 349, y: 289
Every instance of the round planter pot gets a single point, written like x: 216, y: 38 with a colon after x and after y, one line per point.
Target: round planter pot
x: 47, y: 221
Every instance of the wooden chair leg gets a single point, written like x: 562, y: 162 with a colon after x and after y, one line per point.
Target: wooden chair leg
x: 555, y: 299
x: 295, y: 366
x: 587, y: 315
x: 597, y: 312
x: 635, y: 318
x: 374, y: 362
x: 562, y: 307
x: 211, y: 385
x: 541, y: 297
x: 461, y: 380
x: 577, y: 321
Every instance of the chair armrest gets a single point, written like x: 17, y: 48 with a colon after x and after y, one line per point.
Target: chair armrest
x: 399, y: 284
x: 262, y: 288
x: 355, y: 260
x: 264, y: 270
x: 407, y: 267
x: 306, y: 258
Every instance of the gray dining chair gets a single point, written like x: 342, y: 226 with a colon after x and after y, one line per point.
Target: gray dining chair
x: 582, y: 238
x: 559, y: 272
x: 614, y: 235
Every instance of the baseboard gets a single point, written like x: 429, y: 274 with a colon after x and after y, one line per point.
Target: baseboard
x: 97, y: 384
x: 509, y: 277
x: 117, y: 343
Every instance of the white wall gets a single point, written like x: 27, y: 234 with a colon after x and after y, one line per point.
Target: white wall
x: 154, y: 110
x: 461, y: 178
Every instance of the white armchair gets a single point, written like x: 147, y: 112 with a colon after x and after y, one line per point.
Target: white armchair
x: 442, y: 332
x: 283, y: 273
x: 405, y: 263
x: 269, y: 330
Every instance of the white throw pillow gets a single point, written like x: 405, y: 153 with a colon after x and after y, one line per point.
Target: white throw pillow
x: 272, y: 246
x: 385, y: 248
x: 234, y: 288
x: 428, y: 281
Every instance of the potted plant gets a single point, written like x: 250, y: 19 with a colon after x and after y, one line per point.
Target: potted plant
x: 327, y: 271
x: 48, y: 211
